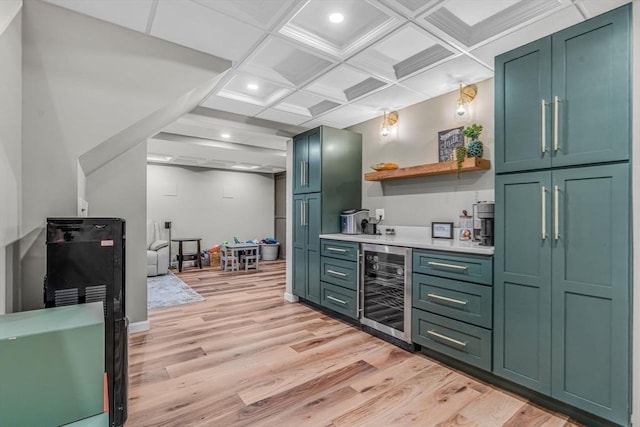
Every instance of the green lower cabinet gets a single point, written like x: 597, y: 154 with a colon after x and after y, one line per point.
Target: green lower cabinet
x: 339, y: 299
x: 468, y: 343
x: 313, y: 276
x: 562, y: 292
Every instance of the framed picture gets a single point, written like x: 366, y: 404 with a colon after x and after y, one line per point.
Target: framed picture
x: 448, y: 140
x: 442, y: 230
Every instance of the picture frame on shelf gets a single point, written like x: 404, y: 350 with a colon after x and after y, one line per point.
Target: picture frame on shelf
x: 448, y: 140
x: 442, y: 230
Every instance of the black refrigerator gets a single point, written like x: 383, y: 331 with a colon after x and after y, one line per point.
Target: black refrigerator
x: 86, y: 263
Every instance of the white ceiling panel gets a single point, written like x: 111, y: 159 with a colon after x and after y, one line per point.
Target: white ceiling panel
x: 283, y: 62
x: 126, y: 13
x: 362, y: 22
x: 231, y: 105
x: 283, y: 117
x: 349, y: 115
x: 596, y: 7
x: 342, y: 83
x: 392, y: 98
x: 446, y: 77
x: 306, y: 104
x: 193, y: 25
x: 548, y: 25
x: 411, y: 8
x: 253, y: 90
x: 469, y: 24
x: 402, y: 53
x: 261, y: 13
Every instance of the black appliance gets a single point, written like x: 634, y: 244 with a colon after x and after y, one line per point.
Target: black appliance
x: 386, y: 292
x: 86, y: 263
x: 486, y: 215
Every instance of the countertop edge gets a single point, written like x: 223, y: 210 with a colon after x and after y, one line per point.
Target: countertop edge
x: 456, y: 246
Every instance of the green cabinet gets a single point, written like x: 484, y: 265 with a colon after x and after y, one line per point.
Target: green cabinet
x: 327, y: 180
x: 339, y: 276
x: 562, y: 288
x: 564, y: 100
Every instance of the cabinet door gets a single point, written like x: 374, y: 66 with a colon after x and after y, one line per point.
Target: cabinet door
x: 522, y: 288
x: 299, y: 246
x: 313, y: 172
x: 522, y: 114
x: 591, y: 78
x: 300, y: 159
x: 591, y: 290
x: 313, y: 212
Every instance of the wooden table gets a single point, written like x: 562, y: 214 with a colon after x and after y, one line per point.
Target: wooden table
x: 188, y: 256
x: 238, y: 252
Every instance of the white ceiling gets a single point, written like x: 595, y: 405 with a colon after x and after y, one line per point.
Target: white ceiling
x: 385, y: 54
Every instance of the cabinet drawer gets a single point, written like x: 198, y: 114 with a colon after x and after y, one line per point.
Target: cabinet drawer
x: 338, y: 249
x: 463, y: 301
x: 468, y: 343
x: 339, y: 299
x: 339, y: 272
x: 470, y: 268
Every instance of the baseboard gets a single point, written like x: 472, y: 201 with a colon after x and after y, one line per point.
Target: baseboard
x: 290, y: 297
x: 138, y: 327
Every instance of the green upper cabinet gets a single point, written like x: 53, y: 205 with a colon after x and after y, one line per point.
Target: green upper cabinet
x: 564, y: 100
x: 523, y: 91
x: 307, y: 156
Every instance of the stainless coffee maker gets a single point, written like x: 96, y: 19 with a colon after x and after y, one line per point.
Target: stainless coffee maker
x: 485, y: 214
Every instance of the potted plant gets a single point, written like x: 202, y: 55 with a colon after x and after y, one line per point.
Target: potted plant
x: 474, y: 148
x: 461, y: 152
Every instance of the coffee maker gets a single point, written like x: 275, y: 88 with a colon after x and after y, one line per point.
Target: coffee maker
x: 485, y: 212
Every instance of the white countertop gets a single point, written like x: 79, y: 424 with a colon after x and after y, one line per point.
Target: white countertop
x: 414, y: 237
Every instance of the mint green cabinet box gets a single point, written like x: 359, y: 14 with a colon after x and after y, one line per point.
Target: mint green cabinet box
x: 101, y: 420
x: 51, y: 365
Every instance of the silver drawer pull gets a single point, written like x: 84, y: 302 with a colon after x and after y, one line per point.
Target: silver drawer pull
x: 457, y: 301
x: 336, y: 273
x: 440, y: 264
x: 336, y: 300
x: 446, y: 338
x: 336, y: 249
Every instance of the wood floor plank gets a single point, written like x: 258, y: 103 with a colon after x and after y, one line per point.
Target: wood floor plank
x: 244, y: 356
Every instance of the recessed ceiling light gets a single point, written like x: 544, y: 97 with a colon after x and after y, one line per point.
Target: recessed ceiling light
x: 225, y: 135
x: 158, y: 158
x: 245, y: 167
x: 252, y: 86
x: 336, y: 18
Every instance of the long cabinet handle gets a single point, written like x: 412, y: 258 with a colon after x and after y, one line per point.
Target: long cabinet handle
x: 304, y: 168
x: 543, y: 215
x: 336, y: 249
x: 302, y: 173
x: 358, y: 305
x: 441, y: 264
x: 336, y: 273
x: 446, y: 338
x: 301, y: 214
x: 336, y: 300
x: 543, y: 137
x: 556, y: 226
x: 555, y: 123
x: 453, y: 300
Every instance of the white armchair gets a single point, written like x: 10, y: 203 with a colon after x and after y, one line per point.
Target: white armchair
x: 157, y: 251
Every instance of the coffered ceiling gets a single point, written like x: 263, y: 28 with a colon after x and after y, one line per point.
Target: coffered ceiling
x: 293, y: 68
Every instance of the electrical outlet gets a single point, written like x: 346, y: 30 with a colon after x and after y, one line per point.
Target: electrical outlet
x: 379, y: 213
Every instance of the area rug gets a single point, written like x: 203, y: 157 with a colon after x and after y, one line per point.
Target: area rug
x: 168, y: 290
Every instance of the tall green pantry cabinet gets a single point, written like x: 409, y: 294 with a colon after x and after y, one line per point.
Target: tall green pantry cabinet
x: 327, y: 179
x: 562, y: 309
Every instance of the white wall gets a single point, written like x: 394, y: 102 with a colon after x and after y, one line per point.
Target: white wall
x: 215, y: 205
x: 10, y: 151
x: 91, y: 91
x: 419, y: 201
x: 119, y: 190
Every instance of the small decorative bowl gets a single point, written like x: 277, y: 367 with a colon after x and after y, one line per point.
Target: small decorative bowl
x: 384, y: 166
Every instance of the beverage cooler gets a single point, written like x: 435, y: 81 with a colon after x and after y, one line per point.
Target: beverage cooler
x: 86, y: 263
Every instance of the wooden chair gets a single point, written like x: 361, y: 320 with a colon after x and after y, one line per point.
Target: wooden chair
x: 250, y: 258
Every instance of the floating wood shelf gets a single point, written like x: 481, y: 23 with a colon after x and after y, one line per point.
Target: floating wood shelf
x: 469, y: 164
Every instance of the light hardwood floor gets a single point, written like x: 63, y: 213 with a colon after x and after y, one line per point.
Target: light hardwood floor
x: 244, y: 356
